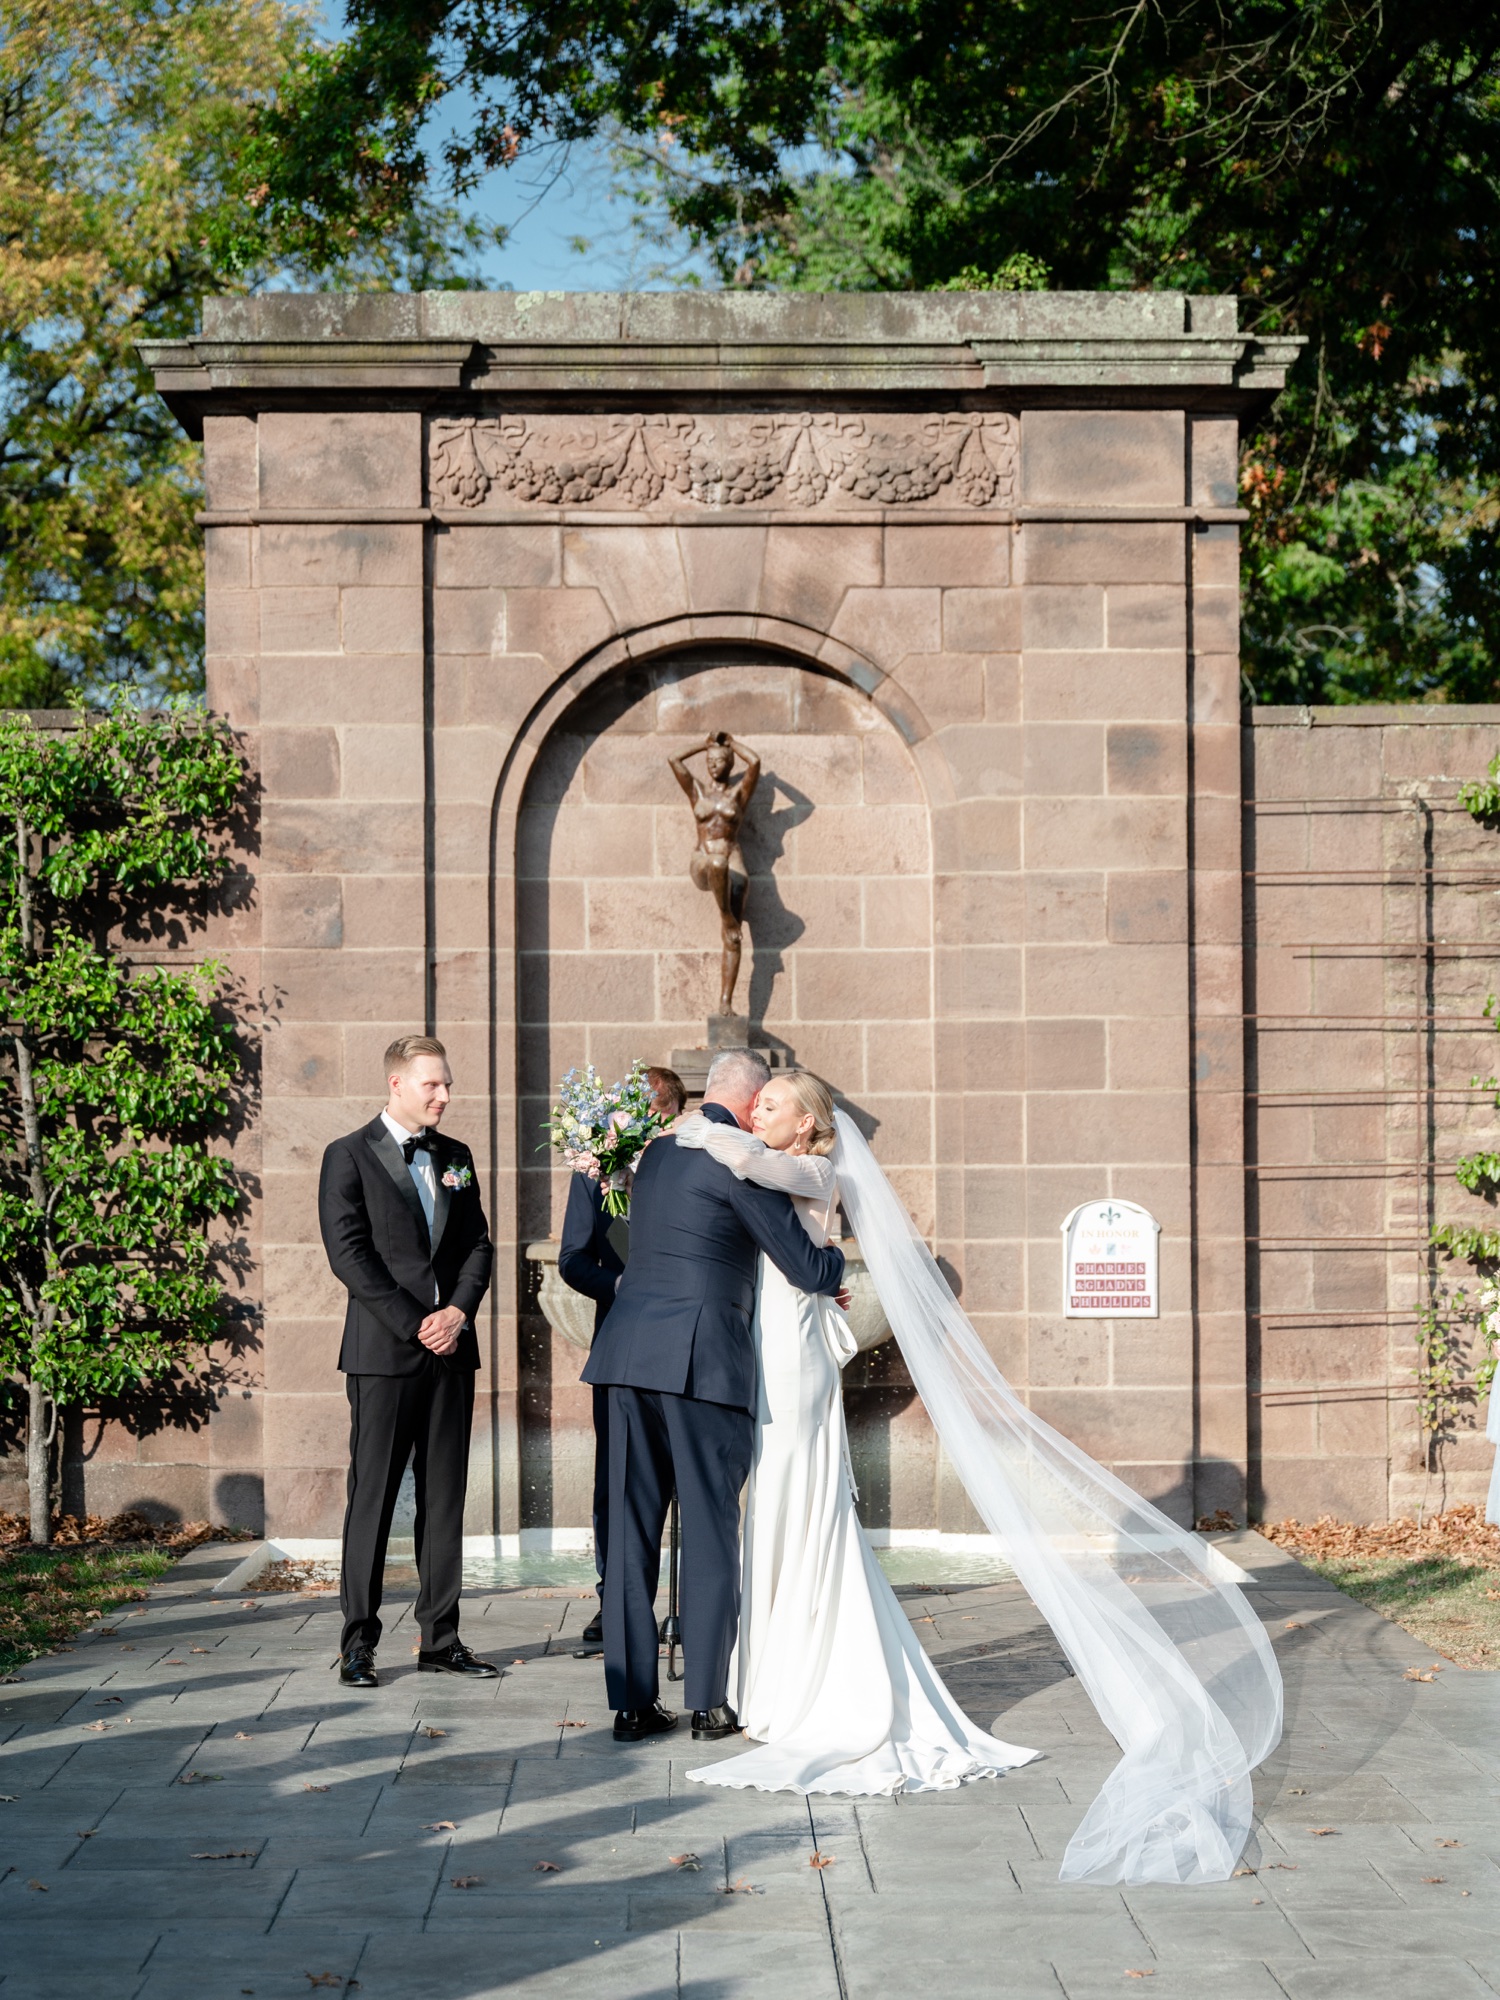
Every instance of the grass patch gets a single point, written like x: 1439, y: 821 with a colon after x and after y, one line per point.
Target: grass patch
x: 1449, y: 1604
x: 47, y: 1596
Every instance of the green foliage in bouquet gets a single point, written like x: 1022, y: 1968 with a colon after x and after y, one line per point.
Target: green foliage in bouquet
x: 117, y: 1079
x: 599, y: 1132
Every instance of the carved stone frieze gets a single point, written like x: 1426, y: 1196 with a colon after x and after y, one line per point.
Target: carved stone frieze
x: 772, y: 460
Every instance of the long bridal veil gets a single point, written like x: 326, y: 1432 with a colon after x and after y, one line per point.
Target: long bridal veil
x: 1170, y: 1654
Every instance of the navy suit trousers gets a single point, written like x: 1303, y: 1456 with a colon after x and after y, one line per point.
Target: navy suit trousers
x: 657, y: 1439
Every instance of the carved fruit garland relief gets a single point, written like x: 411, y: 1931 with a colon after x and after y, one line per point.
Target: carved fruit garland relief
x: 715, y: 462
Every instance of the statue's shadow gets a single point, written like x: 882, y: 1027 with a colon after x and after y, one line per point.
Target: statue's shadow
x: 775, y: 810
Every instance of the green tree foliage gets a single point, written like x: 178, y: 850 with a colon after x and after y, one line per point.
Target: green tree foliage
x: 117, y: 1079
x: 121, y: 127
x: 1334, y: 163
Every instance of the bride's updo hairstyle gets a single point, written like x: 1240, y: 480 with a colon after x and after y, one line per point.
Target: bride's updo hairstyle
x: 813, y: 1095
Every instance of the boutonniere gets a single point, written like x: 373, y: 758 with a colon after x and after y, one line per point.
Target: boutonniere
x: 458, y: 1177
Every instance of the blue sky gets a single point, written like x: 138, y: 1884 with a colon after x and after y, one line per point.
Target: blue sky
x: 546, y: 204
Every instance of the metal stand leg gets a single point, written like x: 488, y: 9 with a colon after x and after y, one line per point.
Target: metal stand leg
x: 671, y: 1626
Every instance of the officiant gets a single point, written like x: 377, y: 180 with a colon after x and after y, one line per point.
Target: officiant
x: 591, y: 1258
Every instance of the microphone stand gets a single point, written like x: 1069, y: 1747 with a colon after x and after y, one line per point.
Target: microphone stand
x: 670, y: 1630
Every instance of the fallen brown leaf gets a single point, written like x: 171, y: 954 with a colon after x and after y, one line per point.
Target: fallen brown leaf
x: 324, y: 1978
x: 467, y: 1881
x: 243, y: 1736
x: 9, y: 1798
x: 426, y: 1731
x: 97, y: 1727
x: 315, y: 1788
x: 1291, y: 1625
x: 740, y: 1888
x: 1146, y: 1972
x: 518, y: 1663
x: 228, y: 1854
x: 171, y: 1663
x: 1416, y: 1674
x: 1243, y: 1871
x: 86, y: 1832
x: 546, y: 1868
x: 441, y: 1826
x: 688, y: 1863
x: 1297, y: 1792
x: 1432, y: 1878
x: 570, y: 1725
x: 1290, y: 1866
x: 1447, y: 1843
x: 1320, y: 1831
x: 816, y: 1860
x: 105, y: 1700
x: 34, y: 1884
x: 202, y: 1649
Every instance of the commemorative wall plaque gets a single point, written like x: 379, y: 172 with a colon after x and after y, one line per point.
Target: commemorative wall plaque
x: 1110, y: 1261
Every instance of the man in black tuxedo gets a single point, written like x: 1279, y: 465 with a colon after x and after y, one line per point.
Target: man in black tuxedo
x: 591, y: 1258
x: 405, y: 1233
x: 677, y: 1356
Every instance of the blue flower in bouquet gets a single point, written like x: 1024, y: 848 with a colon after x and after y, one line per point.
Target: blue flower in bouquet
x: 600, y: 1131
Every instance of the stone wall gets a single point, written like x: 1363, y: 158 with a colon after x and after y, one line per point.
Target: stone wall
x: 1370, y: 924
x: 963, y: 569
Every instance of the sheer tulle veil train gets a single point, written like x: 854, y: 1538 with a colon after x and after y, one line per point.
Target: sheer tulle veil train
x: 1171, y: 1655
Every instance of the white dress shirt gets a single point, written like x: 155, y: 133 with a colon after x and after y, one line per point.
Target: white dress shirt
x: 423, y: 1173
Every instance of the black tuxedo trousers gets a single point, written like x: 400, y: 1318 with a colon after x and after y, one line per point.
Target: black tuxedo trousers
x: 392, y: 1418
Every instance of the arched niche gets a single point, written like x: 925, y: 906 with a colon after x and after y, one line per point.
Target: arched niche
x: 617, y: 953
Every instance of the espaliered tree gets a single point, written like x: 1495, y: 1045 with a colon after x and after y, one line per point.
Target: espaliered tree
x: 116, y: 1079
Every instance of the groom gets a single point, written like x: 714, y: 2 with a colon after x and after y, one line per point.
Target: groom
x: 677, y: 1356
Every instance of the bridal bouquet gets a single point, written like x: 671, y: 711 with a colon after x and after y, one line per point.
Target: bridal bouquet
x: 599, y: 1132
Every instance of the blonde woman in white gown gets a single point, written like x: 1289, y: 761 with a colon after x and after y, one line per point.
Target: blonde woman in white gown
x: 832, y: 1683
x: 832, y: 1680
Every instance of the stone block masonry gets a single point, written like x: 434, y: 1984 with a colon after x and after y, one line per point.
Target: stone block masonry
x: 961, y: 569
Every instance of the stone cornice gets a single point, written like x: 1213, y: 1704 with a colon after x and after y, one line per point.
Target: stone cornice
x: 616, y: 350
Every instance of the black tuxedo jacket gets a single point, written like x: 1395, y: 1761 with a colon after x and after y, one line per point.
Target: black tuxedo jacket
x: 376, y: 1235
x: 586, y: 1259
x: 681, y: 1318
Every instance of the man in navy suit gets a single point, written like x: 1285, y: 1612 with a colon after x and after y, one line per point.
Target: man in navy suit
x: 591, y: 1258
x: 677, y: 1356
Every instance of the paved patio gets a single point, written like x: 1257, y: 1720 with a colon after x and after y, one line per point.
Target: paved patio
x: 240, y: 1825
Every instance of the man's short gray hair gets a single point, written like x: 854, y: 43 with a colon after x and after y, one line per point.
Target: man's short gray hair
x: 741, y: 1072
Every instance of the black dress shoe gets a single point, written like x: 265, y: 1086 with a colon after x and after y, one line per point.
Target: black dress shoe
x: 455, y: 1659
x: 633, y: 1725
x: 356, y: 1665
x: 709, y: 1724
x: 593, y: 1632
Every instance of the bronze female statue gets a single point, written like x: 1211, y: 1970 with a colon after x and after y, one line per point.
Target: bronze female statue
x: 717, y: 863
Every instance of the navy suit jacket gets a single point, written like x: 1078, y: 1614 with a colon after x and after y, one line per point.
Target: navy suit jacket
x: 680, y: 1321
x: 586, y: 1259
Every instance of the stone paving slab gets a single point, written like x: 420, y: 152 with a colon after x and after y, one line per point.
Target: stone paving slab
x: 394, y: 1838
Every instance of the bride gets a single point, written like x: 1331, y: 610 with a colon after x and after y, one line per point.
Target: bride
x: 833, y: 1684
x: 832, y: 1680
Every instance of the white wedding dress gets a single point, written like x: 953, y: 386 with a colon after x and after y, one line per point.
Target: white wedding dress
x: 831, y: 1678
x: 832, y: 1682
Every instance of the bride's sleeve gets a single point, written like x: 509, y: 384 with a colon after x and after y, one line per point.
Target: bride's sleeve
x: 750, y: 1159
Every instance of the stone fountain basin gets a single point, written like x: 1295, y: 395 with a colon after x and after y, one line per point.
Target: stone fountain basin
x: 571, y: 1315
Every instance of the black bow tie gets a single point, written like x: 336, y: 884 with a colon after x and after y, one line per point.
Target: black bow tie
x: 424, y: 1141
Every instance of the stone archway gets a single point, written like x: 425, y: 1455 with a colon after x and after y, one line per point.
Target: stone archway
x: 617, y: 957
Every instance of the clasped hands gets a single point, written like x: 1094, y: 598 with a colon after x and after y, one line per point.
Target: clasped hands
x: 439, y: 1332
